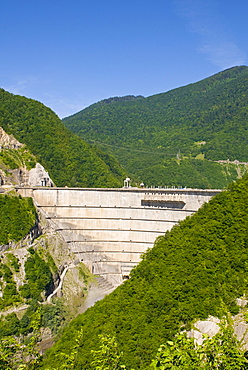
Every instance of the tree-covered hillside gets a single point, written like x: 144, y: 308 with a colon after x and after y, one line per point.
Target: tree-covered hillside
x: 17, y: 217
x: 164, y: 138
x: 197, y: 269
x: 69, y: 160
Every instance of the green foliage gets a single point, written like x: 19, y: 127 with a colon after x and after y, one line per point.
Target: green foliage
x: 17, y: 356
x: 24, y: 324
x: 31, y: 320
x: 8, y: 287
x: 39, y: 282
x: 6, y: 273
x: 9, y: 326
x: 8, y: 159
x: 10, y: 291
x: 69, y: 361
x: 38, y: 276
x: 16, y: 158
x: 223, y: 351
x: 69, y: 160
x: 188, y: 172
x: 156, y: 138
x: 26, y: 158
x: 51, y: 263
x: 13, y: 261
x: 179, y: 354
x: 52, y: 316
x: 13, y: 355
x: 197, y: 269
x: 108, y: 356
x: 17, y: 217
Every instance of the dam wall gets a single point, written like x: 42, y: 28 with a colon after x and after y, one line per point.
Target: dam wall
x: 109, y: 229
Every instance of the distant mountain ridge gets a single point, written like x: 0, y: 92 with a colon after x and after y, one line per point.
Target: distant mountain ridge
x: 121, y: 99
x: 204, y: 120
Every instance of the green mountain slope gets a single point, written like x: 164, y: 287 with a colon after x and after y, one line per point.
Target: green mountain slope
x: 69, y: 160
x: 197, y: 269
x: 159, y: 137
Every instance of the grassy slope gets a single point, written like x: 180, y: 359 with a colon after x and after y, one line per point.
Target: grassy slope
x: 147, y: 134
x: 69, y: 160
x: 197, y: 269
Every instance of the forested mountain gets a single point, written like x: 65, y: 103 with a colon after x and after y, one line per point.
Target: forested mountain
x: 197, y: 269
x: 172, y: 138
x: 69, y: 160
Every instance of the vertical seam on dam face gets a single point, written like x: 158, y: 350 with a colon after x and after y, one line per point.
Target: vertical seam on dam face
x: 108, y: 229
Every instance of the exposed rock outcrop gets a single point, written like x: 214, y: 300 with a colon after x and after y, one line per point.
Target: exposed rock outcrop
x: 21, y: 175
x: 38, y: 176
x: 8, y: 141
x: 211, y: 327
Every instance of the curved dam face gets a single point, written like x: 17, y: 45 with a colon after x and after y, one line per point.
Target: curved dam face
x: 108, y: 229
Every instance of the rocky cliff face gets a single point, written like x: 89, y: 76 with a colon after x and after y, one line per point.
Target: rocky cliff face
x: 38, y: 176
x: 18, y: 166
x: 8, y: 141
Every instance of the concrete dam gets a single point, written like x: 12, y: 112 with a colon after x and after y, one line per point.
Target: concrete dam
x: 109, y: 229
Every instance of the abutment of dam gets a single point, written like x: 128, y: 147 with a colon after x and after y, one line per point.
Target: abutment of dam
x: 109, y: 229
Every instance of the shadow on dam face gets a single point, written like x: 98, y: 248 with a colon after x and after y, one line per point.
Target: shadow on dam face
x: 109, y: 229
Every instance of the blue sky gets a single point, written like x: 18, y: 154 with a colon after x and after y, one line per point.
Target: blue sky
x: 69, y: 54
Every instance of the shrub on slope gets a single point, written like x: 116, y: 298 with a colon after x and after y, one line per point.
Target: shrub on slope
x: 197, y: 269
x: 69, y: 160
